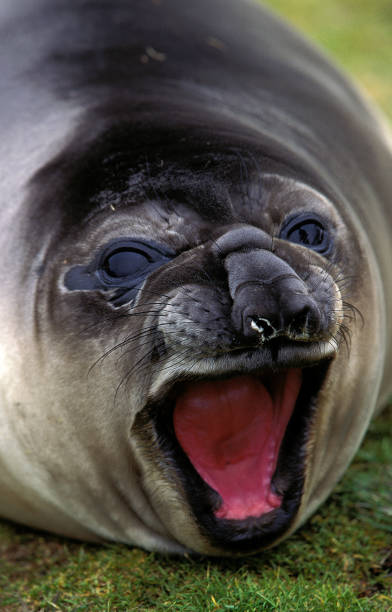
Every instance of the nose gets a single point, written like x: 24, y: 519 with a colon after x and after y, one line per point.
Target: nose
x: 269, y: 298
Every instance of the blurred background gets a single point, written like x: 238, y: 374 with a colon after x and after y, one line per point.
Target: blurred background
x: 356, y: 33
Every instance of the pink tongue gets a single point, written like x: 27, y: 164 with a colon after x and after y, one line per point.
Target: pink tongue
x: 231, y: 431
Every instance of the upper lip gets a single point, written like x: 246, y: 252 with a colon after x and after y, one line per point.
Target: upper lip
x: 274, y: 355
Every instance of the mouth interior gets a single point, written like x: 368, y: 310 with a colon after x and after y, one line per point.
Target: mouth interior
x: 231, y: 430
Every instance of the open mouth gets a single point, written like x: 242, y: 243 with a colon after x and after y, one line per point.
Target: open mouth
x: 232, y: 431
x: 239, y: 445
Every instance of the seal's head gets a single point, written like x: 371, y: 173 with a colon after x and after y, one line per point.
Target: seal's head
x: 195, y: 258
x: 212, y: 317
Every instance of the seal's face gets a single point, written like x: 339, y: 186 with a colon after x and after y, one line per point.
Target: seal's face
x: 216, y: 318
x: 245, y: 338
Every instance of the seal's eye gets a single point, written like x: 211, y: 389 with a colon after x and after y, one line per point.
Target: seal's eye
x: 308, y: 230
x: 125, y: 262
x: 120, y: 268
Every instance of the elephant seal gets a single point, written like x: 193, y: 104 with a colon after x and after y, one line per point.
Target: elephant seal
x: 196, y: 273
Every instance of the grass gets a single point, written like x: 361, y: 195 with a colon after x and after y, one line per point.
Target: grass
x: 340, y: 560
x: 356, y: 33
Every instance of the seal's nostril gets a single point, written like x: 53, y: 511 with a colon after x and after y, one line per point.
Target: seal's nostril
x: 306, y: 320
x: 263, y: 327
x: 300, y: 319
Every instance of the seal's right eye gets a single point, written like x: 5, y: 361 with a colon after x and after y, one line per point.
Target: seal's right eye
x: 125, y: 262
x: 121, y: 268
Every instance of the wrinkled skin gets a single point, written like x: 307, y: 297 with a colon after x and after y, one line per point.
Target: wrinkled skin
x: 165, y: 123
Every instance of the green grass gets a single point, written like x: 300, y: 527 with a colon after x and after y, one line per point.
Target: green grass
x: 340, y: 560
x: 356, y: 33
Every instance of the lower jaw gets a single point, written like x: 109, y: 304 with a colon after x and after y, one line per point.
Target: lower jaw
x: 267, y: 522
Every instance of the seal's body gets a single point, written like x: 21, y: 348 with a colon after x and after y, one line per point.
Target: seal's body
x: 195, y: 272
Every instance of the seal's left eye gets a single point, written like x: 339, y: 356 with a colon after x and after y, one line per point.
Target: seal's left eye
x: 307, y: 230
x: 125, y: 262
